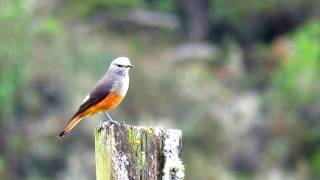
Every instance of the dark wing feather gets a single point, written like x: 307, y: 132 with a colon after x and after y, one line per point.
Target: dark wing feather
x: 102, y: 89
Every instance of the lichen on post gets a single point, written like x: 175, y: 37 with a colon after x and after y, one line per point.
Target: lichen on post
x: 138, y: 152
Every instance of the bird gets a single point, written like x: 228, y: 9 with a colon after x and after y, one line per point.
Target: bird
x: 107, y: 94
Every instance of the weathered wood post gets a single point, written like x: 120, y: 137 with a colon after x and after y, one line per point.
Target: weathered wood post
x: 130, y: 153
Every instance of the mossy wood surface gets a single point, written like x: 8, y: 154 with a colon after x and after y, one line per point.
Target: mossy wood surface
x: 131, y: 152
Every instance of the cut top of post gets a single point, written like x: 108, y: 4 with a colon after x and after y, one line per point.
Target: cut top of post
x: 138, y: 152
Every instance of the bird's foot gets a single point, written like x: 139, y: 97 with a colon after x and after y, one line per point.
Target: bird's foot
x: 108, y: 124
x: 117, y: 123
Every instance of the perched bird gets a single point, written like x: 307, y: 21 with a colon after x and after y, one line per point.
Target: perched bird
x: 107, y: 94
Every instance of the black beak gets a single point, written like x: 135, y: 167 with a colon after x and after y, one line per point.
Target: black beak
x: 130, y: 66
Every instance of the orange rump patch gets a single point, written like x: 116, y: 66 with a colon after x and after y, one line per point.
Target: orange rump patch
x: 108, y: 103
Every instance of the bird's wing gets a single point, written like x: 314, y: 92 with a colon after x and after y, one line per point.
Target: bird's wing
x: 102, y: 89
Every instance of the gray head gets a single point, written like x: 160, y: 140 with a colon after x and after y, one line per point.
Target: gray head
x: 120, y: 66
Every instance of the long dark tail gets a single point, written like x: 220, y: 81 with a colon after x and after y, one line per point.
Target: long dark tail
x: 73, y: 122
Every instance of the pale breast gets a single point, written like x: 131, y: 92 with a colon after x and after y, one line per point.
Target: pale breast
x: 121, y: 86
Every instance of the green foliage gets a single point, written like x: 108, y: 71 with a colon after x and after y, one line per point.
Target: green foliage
x: 164, y: 5
x: 315, y: 162
x: 2, y: 164
x: 50, y: 25
x: 236, y: 12
x: 7, y: 85
x: 297, y: 80
x: 16, y: 142
x: 14, y: 51
x: 11, y: 9
x: 125, y: 3
x: 296, y: 84
x: 84, y: 7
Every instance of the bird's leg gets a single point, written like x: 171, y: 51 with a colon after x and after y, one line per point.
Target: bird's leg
x: 111, y: 121
x: 109, y: 117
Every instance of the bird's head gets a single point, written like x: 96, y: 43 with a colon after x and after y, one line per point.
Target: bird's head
x: 121, y: 65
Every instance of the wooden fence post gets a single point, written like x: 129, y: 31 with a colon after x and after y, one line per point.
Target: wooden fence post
x: 133, y: 152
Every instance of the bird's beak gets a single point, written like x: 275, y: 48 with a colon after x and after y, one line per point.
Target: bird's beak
x: 131, y: 66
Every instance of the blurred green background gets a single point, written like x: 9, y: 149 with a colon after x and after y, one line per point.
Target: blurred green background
x: 239, y: 77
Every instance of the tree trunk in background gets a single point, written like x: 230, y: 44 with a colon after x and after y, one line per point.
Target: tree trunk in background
x: 197, y: 17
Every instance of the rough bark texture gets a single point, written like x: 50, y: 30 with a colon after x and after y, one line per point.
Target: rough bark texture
x: 131, y: 152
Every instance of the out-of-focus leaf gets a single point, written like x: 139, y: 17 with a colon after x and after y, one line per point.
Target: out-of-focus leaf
x: 11, y: 9
x: 298, y: 78
x: 50, y: 25
x: 315, y: 162
x: 2, y: 164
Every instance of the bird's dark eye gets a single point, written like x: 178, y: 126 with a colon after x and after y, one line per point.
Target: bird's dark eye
x: 119, y: 65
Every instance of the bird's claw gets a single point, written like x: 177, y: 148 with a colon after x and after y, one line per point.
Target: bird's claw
x: 118, y: 123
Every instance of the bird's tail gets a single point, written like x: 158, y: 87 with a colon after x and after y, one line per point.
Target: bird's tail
x: 73, y: 122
